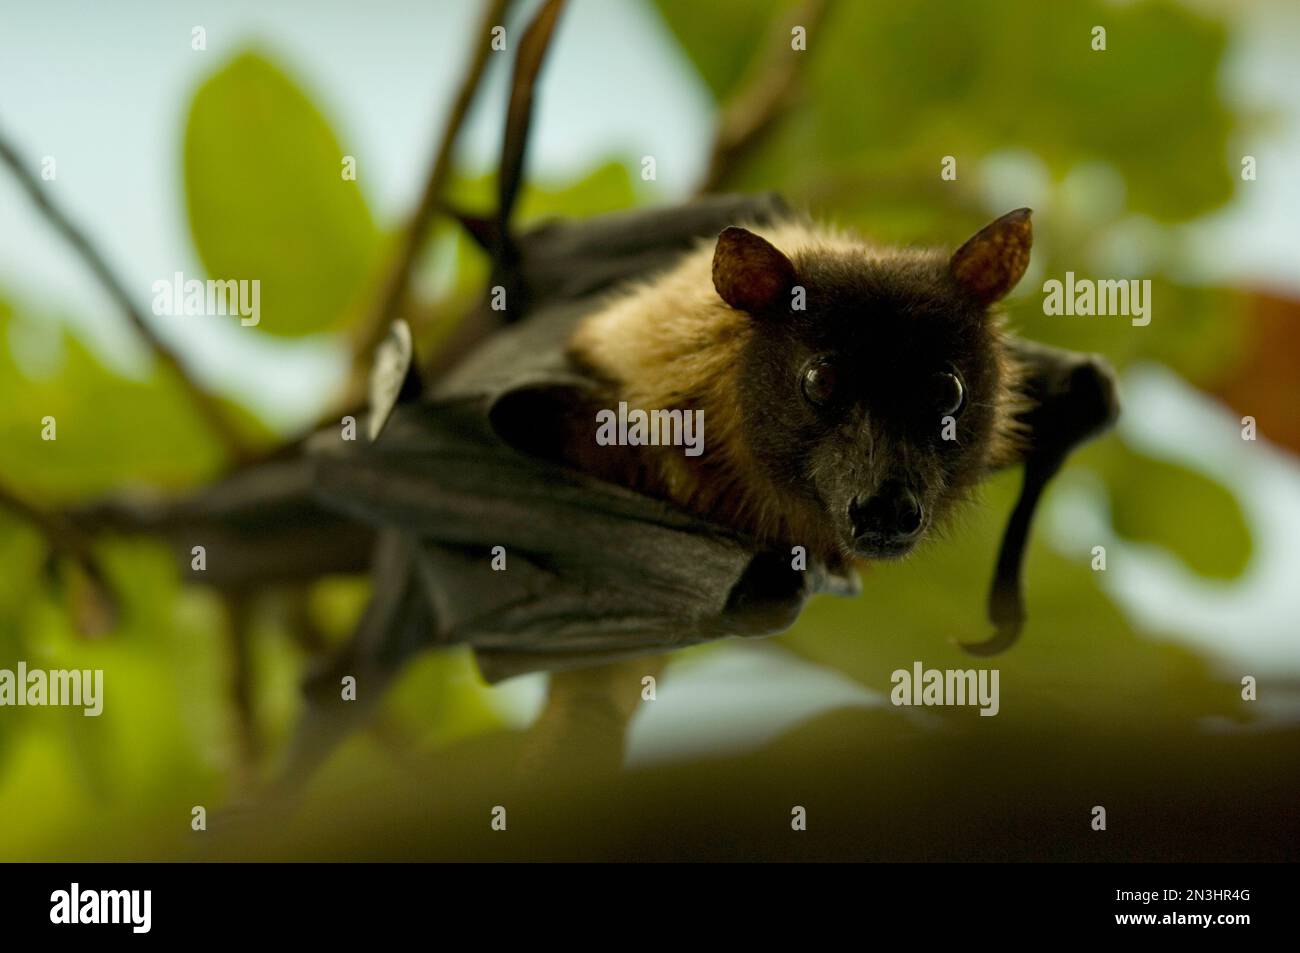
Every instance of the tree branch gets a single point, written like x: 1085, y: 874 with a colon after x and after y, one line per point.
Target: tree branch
x: 99, y: 607
x: 372, y: 330
x: 205, y: 404
x: 60, y: 534
x: 752, y: 113
x: 519, y: 111
x: 248, y: 747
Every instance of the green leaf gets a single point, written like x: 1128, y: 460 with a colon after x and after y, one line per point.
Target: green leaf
x: 719, y: 38
x: 1197, y: 330
x: 892, y: 88
x: 1079, y: 661
x: 73, y: 785
x: 111, y: 430
x: 1152, y: 500
x: 606, y: 187
x: 267, y: 200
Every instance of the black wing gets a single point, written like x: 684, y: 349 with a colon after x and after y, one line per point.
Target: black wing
x: 593, y: 571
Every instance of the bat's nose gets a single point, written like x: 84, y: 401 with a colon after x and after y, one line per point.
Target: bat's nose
x: 893, y: 514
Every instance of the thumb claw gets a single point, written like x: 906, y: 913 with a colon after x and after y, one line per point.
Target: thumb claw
x: 1002, y: 639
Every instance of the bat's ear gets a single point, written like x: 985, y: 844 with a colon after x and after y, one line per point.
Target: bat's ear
x: 749, y: 272
x: 1071, y: 398
x: 994, y: 260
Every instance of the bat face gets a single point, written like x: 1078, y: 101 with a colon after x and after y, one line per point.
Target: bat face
x: 877, y: 403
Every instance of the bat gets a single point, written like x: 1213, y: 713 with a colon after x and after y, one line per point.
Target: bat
x: 618, y: 555
x: 605, y: 562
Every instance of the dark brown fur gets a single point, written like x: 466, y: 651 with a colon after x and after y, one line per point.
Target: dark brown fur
x: 775, y: 466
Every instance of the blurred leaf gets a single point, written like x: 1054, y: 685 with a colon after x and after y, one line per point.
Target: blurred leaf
x: 111, y: 429
x: 719, y: 37
x: 124, y: 780
x: 1261, y: 380
x: 441, y: 698
x: 335, y: 604
x: 1078, y: 660
x: 889, y: 95
x: 1194, y: 330
x: 267, y: 201
x: 607, y: 187
x: 21, y: 555
x: 1151, y: 501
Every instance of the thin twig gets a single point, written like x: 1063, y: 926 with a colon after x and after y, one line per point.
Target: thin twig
x: 519, y: 112
x: 65, y: 540
x: 753, y: 112
x: 206, y: 405
x: 62, y: 537
x: 239, y: 621
x: 372, y: 330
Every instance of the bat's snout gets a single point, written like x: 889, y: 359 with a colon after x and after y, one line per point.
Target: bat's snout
x: 887, y: 523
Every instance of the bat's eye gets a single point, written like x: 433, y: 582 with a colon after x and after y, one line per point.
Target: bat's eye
x: 819, y: 383
x: 947, y: 395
